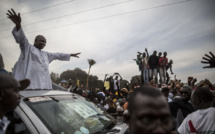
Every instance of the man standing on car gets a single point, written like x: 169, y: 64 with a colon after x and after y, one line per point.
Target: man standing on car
x: 9, y: 97
x: 163, y: 61
x: 153, y: 66
x: 33, y: 63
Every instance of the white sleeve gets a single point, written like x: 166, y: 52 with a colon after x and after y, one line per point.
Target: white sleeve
x: 184, y: 127
x: 58, y: 56
x: 20, y: 38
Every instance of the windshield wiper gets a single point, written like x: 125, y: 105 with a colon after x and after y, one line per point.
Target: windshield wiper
x: 107, y: 129
x: 54, y: 99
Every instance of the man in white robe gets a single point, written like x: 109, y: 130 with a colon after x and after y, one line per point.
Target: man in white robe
x: 33, y: 63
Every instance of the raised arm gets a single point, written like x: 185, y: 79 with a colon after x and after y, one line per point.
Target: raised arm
x: 119, y: 76
x: 189, y: 80
x: 117, y: 84
x: 16, y: 19
x: 147, y: 52
x: 209, y: 60
x: 60, y: 56
x: 18, y: 32
x: 105, y: 77
x: 113, y: 75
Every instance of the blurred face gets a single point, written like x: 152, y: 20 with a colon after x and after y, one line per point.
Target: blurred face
x: 10, y: 97
x: 164, y: 54
x: 166, y: 94
x: 185, y: 94
x: 40, y: 42
x: 124, y: 93
x: 151, y: 116
x: 155, y: 52
x: 159, y: 54
x: 144, y: 55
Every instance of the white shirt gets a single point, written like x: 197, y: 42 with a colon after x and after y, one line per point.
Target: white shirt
x: 34, y: 63
x: 4, y: 122
x: 202, y: 120
x: 115, y: 86
x: 106, y: 107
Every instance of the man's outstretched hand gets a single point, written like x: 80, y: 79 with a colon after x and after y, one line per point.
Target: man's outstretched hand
x: 15, y: 18
x: 209, y: 60
x: 75, y: 55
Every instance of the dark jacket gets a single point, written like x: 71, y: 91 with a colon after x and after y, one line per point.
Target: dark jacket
x: 153, y: 62
x: 179, y: 103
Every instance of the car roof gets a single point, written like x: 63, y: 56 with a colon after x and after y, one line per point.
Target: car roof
x: 34, y: 93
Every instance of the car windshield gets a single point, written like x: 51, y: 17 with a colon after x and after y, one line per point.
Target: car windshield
x: 70, y: 115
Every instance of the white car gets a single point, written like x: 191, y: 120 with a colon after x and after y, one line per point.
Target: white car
x: 60, y: 112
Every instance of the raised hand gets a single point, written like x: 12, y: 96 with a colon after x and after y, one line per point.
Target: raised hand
x: 75, y: 55
x: 15, y: 18
x: 190, y: 78
x: 209, y: 60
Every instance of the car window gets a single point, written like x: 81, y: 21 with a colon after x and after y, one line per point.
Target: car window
x: 66, y: 115
x: 16, y: 125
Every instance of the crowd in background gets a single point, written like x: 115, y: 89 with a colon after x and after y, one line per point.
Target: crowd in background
x: 115, y: 100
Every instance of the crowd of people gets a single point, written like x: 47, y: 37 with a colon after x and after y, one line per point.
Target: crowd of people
x: 176, y: 98
x: 153, y: 66
x: 147, y: 107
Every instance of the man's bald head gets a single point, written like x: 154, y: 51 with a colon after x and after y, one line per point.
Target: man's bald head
x: 40, y: 42
x: 38, y: 37
x: 202, y: 98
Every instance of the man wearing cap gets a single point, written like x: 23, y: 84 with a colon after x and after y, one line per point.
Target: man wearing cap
x: 9, y: 97
x: 33, y: 63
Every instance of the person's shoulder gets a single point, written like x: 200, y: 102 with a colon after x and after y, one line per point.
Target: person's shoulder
x: 177, y: 99
x: 211, y: 109
x: 173, y: 103
x: 45, y: 51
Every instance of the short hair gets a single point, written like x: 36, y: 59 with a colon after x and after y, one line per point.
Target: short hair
x: 165, y: 89
x: 143, y: 90
x: 204, y: 94
x: 38, y: 36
